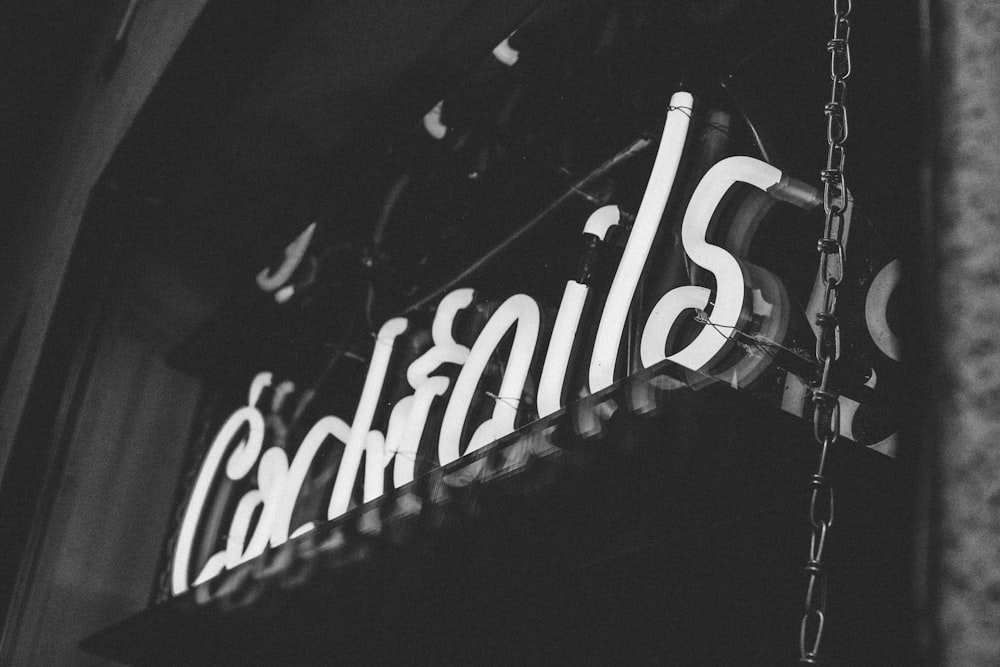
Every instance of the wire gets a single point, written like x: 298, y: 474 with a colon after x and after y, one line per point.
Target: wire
x: 765, y: 345
x: 628, y: 153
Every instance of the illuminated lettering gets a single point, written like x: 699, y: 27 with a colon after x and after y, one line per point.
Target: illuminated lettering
x: 272, y: 471
x: 733, y: 305
x: 640, y: 241
x: 519, y: 311
x: 272, y: 474
x: 359, y: 438
x: 409, y: 415
x: 445, y: 350
x: 406, y: 426
x: 326, y: 427
x: 550, y: 385
x: 742, y: 300
x: 244, y: 455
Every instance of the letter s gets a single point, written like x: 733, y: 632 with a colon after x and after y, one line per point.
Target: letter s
x: 733, y: 304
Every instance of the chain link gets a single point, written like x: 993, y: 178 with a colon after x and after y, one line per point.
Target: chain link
x: 826, y: 402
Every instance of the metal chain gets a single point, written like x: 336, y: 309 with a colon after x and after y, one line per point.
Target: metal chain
x: 826, y: 405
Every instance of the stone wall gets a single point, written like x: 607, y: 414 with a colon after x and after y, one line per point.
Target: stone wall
x: 963, y: 238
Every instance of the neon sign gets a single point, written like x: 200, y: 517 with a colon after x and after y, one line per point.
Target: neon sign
x: 740, y: 298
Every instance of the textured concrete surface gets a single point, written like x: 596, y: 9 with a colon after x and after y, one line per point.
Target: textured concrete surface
x: 965, y: 70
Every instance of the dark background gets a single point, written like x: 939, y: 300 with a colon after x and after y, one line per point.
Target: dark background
x: 275, y: 114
